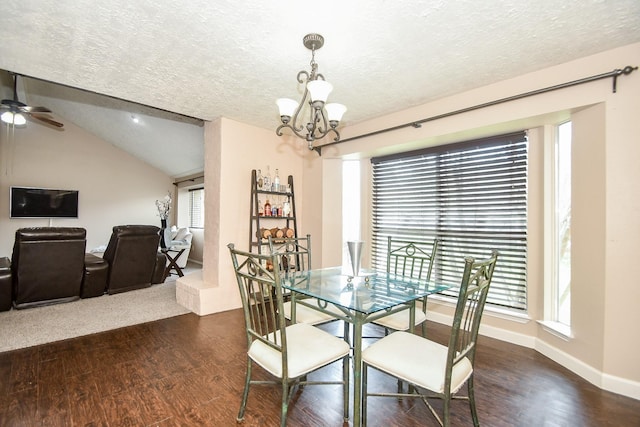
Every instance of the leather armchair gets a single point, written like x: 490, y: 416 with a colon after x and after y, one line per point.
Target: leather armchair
x: 133, y: 257
x: 47, y: 266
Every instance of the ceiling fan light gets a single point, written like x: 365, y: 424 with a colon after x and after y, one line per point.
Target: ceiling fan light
x: 12, y: 118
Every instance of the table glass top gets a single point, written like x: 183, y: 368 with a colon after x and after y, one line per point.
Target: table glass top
x: 369, y: 292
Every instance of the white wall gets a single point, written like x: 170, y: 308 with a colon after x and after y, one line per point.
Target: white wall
x: 114, y: 187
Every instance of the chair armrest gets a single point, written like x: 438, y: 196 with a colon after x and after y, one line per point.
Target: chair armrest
x: 96, y: 272
x: 159, y: 269
x: 6, y: 286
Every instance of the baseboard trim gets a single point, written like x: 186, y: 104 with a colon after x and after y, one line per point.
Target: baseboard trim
x: 601, y: 380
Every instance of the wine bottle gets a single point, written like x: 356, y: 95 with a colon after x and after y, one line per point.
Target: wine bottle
x: 259, y: 179
x: 267, y: 208
x: 276, y: 182
x: 266, y: 180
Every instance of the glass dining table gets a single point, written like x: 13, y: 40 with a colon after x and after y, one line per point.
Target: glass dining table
x: 356, y: 300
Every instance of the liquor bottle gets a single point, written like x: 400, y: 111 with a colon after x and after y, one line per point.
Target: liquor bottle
x: 259, y: 179
x: 266, y: 180
x: 286, y: 209
x: 260, y: 208
x: 280, y: 212
x: 267, y: 208
x: 276, y: 182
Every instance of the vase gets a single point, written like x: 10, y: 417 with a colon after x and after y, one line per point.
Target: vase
x: 355, y: 255
x: 163, y: 227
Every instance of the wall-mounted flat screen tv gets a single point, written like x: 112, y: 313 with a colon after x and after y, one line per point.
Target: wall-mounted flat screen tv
x: 43, y: 203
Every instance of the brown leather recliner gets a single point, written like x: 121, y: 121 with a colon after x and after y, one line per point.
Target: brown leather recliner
x: 47, y: 265
x: 133, y: 257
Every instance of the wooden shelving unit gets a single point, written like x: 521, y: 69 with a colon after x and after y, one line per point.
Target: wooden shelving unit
x: 257, y: 221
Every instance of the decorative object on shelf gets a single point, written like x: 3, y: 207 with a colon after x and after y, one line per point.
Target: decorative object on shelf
x: 316, y: 90
x: 164, y: 208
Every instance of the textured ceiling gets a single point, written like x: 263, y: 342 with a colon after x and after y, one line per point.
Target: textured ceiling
x: 207, y: 59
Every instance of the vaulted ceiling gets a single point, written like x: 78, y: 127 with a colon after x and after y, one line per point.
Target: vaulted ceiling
x: 101, y: 65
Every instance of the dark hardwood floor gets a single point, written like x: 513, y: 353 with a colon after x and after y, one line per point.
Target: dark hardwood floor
x: 189, y: 370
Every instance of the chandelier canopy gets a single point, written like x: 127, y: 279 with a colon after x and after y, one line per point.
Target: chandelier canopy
x: 314, y: 100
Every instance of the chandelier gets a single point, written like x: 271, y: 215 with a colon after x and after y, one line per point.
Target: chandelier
x: 314, y: 98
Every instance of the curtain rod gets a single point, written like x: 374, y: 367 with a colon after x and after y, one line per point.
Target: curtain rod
x: 417, y: 124
x: 189, y: 179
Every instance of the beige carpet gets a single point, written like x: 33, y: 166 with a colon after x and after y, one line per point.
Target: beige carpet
x: 33, y: 326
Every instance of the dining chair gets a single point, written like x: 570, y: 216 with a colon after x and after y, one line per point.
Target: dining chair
x: 427, y: 365
x: 294, y: 254
x: 409, y: 259
x: 288, y: 353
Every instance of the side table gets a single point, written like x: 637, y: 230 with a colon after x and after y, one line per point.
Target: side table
x: 172, y: 257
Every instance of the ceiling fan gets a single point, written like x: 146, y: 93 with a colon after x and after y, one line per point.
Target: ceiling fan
x: 17, y: 112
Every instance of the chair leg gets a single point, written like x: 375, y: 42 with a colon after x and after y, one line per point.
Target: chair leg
x: 345, y: 387
x: 446, y: 409
x: 472, y: 402
x: 363, y: 408
x: 245, y: 394
x: 285, y: 403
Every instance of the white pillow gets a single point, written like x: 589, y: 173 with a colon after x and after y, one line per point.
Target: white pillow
x: 182, y: 233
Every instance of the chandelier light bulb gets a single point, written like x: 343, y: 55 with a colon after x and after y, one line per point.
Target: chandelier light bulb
x: 335, y: 111
x: 286, y: 106
x: 319, y: 90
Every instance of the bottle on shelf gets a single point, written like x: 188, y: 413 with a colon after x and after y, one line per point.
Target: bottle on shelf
x: 280, y: 211
x: 266, y: 180
x: 276, y: 182
x: 286, y: 209
x: 259, y: 179
x: 267, y: 208
x: 260, y: 208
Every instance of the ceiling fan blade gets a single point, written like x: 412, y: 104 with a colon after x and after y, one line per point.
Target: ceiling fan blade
x: 29, y: 109
x: 47, y: 120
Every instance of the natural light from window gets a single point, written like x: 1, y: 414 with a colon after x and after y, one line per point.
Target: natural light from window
x: 350, y: 204
x: 563, y: 221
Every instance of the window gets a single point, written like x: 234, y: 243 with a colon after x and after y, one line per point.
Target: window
x: 558, y: 291
x: 196, y: 208
x: 471, y: 195
x: 350, y: 204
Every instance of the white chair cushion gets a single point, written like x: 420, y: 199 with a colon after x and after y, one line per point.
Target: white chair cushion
x: 310, y: 316
x: 309, y: 348
x: 416, y: 360
x: 399, y: 321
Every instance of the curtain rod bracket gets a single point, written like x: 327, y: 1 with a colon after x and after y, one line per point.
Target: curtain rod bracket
x: 626, y: 71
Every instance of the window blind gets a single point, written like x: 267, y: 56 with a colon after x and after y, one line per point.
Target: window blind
x: 196, y: 207
x: 471, y: 195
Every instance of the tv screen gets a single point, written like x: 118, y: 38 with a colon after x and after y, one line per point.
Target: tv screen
x: 43, y: 203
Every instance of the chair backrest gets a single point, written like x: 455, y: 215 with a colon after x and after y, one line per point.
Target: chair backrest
x: 262, y: 301
x: 410, y: 259
x: 132, y: 254
x: 47, y: 264
x: 474, y: 288
x: 294, y: 253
